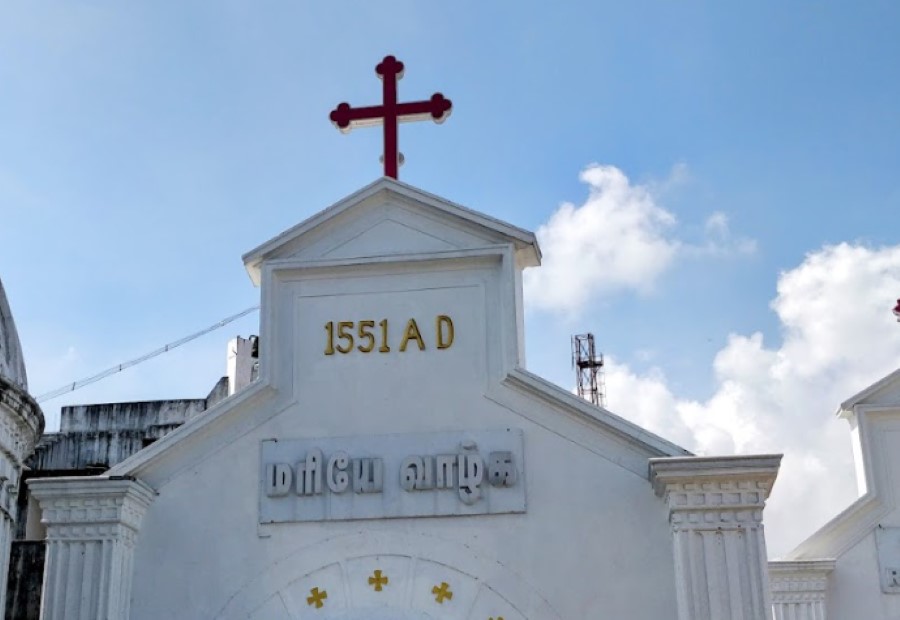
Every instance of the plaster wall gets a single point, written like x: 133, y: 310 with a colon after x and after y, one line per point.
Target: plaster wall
x: 594, y: 542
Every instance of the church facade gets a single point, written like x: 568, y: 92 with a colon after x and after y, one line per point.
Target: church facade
x: 395, y: 459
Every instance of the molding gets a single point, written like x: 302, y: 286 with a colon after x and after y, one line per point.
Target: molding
x: 715, y: 493
x: 539, y: 388
x: 88, y: 507
x: 843, y: 531
x: 492, y: 251
x: 800, y: 589
x: 799, y: 582
x: 715, y: 471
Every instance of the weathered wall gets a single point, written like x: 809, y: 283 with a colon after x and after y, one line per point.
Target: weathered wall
x: 26, y: 571
x: 106, y: 434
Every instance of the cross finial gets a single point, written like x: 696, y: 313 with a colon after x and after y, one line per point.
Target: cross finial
x: 390, y: 112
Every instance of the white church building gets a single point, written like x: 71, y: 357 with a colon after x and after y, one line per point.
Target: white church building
x: 395, y: 460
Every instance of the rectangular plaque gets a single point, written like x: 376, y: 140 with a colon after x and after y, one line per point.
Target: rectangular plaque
x: 388, y: 476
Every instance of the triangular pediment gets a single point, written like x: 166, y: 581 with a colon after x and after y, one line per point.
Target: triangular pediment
x: 402, y: 237
x: 389, y: 218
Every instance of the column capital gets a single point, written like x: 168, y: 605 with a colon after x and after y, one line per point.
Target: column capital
x: 799, y: 588
x: 715, y: 491
x: 90, y: 507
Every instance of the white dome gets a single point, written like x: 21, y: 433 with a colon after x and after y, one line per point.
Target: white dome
x: 12, y: 364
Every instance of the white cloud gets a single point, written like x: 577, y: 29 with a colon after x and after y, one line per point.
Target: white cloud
x: 621, y: 238
x: 719, y: 239
x: 838, y: 337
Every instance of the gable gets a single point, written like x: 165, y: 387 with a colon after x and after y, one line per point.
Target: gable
x: 390, y: 218
x: 404, y: 237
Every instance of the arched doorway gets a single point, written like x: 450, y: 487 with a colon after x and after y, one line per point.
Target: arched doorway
x: 387, y: 576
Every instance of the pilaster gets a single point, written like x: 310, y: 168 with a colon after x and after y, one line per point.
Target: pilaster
x: 715, y: 507
x: 92, y: 525
x: 799, y: 589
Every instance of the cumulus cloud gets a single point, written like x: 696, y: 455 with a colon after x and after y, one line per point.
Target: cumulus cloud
x: 838, y: 337
x: 621, y: 238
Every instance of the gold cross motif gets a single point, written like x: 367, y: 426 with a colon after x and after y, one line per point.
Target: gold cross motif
x: 377, y: 580
x: 441, y: 593
x: 316, y: 598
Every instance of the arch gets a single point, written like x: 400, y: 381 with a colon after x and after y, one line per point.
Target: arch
x: 389, y: 576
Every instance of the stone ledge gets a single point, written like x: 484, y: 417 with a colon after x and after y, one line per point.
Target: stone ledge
x: 715, y: 482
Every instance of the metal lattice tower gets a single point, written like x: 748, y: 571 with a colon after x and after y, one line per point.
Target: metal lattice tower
x: 588, y: 369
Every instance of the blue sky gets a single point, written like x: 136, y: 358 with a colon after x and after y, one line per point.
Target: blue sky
x: 145, y: 146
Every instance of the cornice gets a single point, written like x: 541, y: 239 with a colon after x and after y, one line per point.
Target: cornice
x: 713, y: 472
x: 89, y: 506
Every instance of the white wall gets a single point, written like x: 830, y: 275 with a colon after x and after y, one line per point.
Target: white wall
x: 594, y: 542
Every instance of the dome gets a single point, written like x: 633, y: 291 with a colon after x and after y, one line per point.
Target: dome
x: 12, y: 364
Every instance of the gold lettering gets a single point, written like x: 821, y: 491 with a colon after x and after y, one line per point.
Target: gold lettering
x: 444, y: 338
x: 365, y: 333
x: 344, y: 334
x: 329, y: 345
x: 412, y: 333
x: 384, y: 348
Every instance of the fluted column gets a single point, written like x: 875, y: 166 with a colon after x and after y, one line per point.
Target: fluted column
x: 716, y: 514
x: 92, y: 524
x: 799, y: 589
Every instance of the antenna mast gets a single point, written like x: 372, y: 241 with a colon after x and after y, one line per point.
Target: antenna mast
x: 588, y: 369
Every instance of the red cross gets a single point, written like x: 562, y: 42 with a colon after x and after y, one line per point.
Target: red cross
x: 389, y: 113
